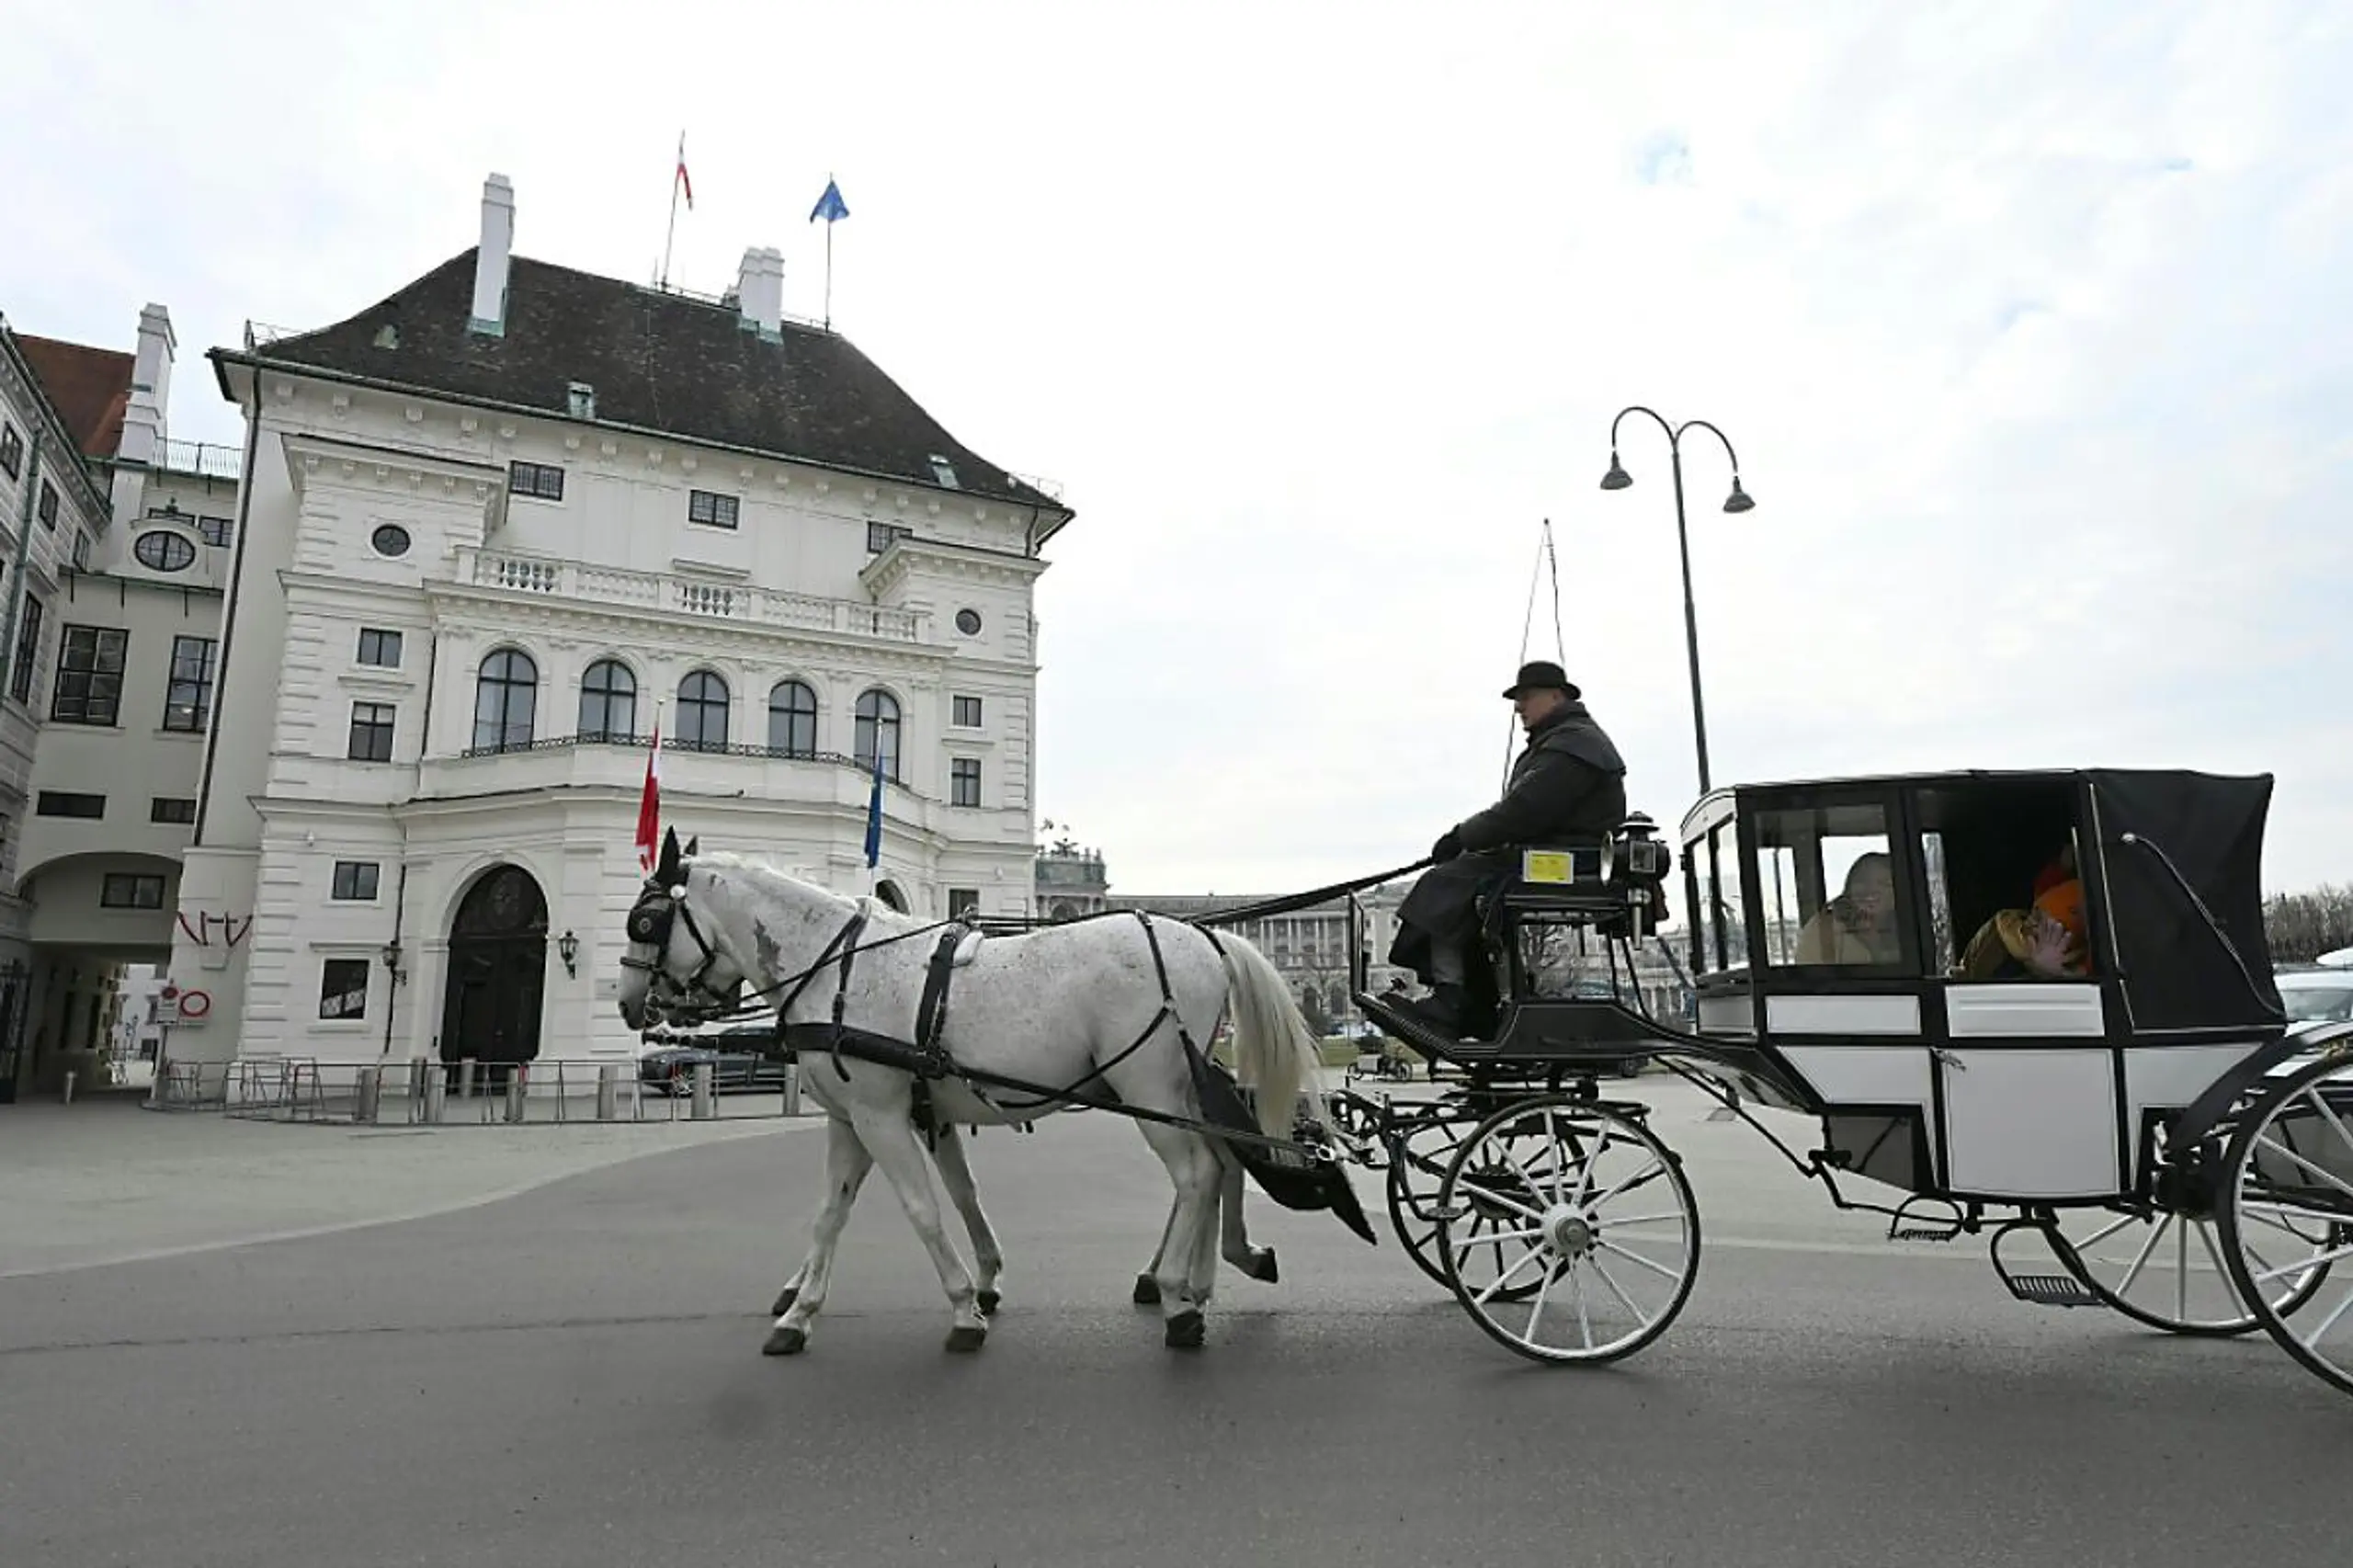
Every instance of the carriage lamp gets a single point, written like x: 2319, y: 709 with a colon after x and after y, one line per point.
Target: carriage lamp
x: 567, y: 948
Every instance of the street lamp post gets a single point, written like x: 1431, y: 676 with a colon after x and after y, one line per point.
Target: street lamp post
x: 1738, y: 500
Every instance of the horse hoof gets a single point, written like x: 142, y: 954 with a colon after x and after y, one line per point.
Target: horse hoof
x: 1147, y: 1290
x: 964, y: 1339
x: 987, y: 1302
x: 1262, y: 1265
x: 785, y: 1342
x: 1187, y: 1331
x: 784, y: 1302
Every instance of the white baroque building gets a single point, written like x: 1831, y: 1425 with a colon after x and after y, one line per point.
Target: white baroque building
x: 492, y: 526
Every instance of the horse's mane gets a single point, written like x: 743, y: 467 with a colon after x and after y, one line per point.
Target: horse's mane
x: 767, y: 865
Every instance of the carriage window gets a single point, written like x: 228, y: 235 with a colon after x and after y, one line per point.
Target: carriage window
x: 1827, y: 881
x: 1707, y: 954
x: 1942, y: 954
x: 1731, y: 918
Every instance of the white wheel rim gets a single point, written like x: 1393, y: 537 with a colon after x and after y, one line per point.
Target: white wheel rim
x: 1569, y: 1232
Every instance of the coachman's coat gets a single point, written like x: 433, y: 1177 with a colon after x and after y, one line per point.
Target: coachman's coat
x: 1568, y: 786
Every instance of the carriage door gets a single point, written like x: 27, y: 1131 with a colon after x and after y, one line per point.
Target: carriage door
x: 497, y: 971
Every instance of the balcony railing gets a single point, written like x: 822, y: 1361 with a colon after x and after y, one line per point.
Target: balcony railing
x: 557, y: 578
x: 672, y: 743
x: 201, y: 458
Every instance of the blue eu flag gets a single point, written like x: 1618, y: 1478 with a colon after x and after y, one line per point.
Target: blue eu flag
x: 874, y: 815
x: 830, y: 206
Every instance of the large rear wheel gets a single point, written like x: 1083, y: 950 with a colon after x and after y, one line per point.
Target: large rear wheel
x: 2286, y: 1212
x: 1567, y: 1230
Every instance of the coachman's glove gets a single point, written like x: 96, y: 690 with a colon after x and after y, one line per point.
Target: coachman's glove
x: 1449, y: 845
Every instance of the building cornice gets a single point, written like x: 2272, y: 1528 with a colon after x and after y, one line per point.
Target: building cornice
x: 943, y: 558
x: 461, y: 607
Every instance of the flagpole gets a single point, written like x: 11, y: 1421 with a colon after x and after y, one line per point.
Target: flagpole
x: 829, y: 260
x: 674, y: 210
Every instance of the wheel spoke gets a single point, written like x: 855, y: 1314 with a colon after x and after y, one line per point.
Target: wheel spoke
x: 2156, y: 1234
x: 1505, y: 1278
x: 2318, y: 1259
x: 1624, y: 1182
x: 1662, y: 1270
x: 1628, y: 1301
x: 1616, y: 1222
x: 1522, y: 1210
x: 2342, y: 1186
x: 2312, y: 1340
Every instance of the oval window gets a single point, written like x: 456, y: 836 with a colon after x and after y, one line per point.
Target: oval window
x: 967, y: 622
x: 390, y: 539
x: 163, y: 551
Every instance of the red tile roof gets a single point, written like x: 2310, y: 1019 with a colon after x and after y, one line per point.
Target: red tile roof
x: 90, y: 388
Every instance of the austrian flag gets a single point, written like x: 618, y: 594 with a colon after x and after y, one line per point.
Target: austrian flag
x: 649, y: 806
x: 684, y: 183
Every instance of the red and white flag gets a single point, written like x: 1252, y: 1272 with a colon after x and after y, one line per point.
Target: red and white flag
x: 686, y: 184
x: 649, y: 807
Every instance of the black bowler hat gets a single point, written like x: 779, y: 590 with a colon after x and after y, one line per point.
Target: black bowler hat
x: 1539, y: 675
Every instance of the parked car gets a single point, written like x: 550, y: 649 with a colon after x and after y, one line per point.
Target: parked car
x: 2316, y: 995
x: 743, y: 1058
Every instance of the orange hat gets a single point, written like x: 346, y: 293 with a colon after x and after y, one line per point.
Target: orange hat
x: 2065, y: 904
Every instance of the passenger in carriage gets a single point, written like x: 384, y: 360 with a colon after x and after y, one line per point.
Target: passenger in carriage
x: 1858, y: 926
x: 2047, y: 940
x: 1568, y: 786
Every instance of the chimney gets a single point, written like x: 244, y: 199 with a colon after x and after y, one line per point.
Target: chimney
x: 759, y: 293
x: 151, y: 386
x: 490, y: 262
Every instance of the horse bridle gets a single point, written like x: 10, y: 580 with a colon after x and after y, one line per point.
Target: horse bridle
x: 650, y: 920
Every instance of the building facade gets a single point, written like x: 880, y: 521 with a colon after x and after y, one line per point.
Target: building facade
x: 116, y: 540
x: 495, y: 530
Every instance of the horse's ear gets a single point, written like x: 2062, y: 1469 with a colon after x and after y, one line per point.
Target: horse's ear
x: 694, y: 844
x: 667, y: 870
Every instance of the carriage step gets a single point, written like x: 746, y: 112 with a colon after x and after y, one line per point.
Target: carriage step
x: 1924, y: 1233
x: 2050, y: 1289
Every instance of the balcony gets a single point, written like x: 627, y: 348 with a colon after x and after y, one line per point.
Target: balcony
x: 202, y: 459
x: 619, y: 762
x: 546, y: 576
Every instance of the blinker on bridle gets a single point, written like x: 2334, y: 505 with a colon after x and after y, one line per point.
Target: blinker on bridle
x: 663, y: 903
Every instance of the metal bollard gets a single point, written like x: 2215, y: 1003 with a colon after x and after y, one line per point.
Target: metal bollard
x: 417, y: 1073
x: 704, y: 1108
x: 609, y: 1091
x: 515, y: 1096
x: 369, y: 1093
x: 436, y: 1097
x: 793, y: 1089
x: 69, y: 1088
x: 466, y: 1079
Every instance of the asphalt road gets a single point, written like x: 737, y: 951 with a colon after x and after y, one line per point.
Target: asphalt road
x: 571, y: 1376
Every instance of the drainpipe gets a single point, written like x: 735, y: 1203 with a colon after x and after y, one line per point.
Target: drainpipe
x: 24, y: 561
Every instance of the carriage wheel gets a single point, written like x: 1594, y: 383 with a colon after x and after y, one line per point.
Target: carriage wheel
x: 2166, y: 1268
x: 2287, y: 1212
x: 1417, y: 1161
x: 1567, y: 1230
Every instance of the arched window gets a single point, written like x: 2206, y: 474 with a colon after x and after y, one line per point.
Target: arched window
x: 506, y: 697
x: 607, y: 703
x: 878, y: 732
x: 702, y: 711
x: 792, y: 719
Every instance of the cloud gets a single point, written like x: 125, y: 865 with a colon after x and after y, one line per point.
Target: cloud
x: 2027, y: 328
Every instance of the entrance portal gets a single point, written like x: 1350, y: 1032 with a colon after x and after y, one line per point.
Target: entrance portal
x: 498, y: 956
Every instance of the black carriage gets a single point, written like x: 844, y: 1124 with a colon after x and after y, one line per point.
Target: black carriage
x: 1861, y: 954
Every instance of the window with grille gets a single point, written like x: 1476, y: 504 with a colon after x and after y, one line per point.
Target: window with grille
x: 171, y: 808
x: 708, y: 507
x: 187, y: 705
x: 542, y: 482
x: 89, y: 674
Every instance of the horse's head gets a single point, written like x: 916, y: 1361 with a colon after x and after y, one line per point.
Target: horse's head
x: 679, y: 963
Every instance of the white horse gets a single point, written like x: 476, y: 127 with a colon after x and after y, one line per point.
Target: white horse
x: 1106, y: 1003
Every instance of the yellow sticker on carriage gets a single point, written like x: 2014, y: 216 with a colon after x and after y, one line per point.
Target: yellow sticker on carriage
x: 1546, y: 866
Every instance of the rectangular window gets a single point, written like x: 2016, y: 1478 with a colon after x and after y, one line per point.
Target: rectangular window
x: 48, y: 504
x: 371, y: 731
x: 171, y: 808
x: 964, y: 781
x: 68, y: 803
x: 12, y: 451
x: 967, y: 713
x: 343, y: 989
x: 355, y: 879
x: 879, y: 535
x: 379, y: 648
x: 213, y: 530
x: 1828, y: 887
x: 20, y: 680
x: 130, y: 890
x: 89, y: 674
x: 962, y: 902
x: 188, y: 703
x: 707, y: 506
x: 81, y: 550
x: 544, y: 480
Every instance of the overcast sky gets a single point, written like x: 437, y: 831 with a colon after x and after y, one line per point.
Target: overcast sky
x: 2029, y: 322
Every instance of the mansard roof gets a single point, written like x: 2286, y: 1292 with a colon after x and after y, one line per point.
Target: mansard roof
x: 657, y: 361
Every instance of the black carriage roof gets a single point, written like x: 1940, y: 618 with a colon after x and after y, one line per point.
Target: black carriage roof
x: 2184, y: 786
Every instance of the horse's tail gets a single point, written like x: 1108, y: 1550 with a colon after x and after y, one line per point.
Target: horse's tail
x: 1274, y: 1051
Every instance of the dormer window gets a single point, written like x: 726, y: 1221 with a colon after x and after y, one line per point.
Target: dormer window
x: 943, y: 471
x: 584, y: 399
